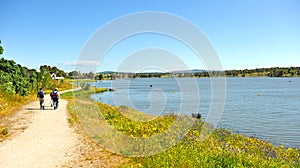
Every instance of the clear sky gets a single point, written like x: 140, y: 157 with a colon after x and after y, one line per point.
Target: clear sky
x: 245, y: 33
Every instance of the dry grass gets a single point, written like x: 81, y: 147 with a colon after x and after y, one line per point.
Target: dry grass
x: 11, y: 102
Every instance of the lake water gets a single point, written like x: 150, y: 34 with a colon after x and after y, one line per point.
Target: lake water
x: 268, y: 108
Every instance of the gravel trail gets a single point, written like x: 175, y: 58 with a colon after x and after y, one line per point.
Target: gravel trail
x: 46, y: 141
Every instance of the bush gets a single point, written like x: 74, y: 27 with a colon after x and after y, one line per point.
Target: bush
x: 85, y: 86
x: 4, y: 131
x: 14, y: 78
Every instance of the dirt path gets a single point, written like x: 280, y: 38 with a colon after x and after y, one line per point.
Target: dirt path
x: 43, y: 138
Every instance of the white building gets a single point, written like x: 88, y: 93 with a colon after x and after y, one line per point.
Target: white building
x: 53, y: 76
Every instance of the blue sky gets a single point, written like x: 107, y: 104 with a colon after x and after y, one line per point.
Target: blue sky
x: 245, y: 34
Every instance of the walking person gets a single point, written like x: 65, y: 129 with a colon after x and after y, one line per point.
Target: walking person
x: 41, y: 95
x: 55, y: 97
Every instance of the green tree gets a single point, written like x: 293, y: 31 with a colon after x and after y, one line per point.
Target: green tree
x: 74, y: 74
x: 90, y: 75
x: 12, y: 79
x: 1, y: 48
x: 99, y: 77
x: 44, y: 79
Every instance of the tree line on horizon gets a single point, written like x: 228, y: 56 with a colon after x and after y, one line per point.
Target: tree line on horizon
x: 17, y: 79
x: 258, y: 72
x: 265, y: 72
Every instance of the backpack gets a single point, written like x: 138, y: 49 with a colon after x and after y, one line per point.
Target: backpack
x: 54, y: 95
x: 41, y: 95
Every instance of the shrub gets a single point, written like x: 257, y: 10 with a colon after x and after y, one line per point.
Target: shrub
x: 4, y: 131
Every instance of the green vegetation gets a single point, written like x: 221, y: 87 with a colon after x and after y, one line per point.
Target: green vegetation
x: 79, y: 75
x: 133, y: 128
x: 16, y: 79
x: 16, y: 84
x: 1, y: 48
x: 84, y: 93
x: 265, y: 72
x: 258, y: 72
x: 222, y: 148
x: 19, y: 85
x: 78, y: 81
x: 50, y: 70
x: 4, y: 131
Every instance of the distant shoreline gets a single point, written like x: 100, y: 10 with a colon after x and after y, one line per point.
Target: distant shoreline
x: 105, y: 79
x: 196, y: 73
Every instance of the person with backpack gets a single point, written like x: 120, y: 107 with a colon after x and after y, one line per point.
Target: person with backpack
x: 41, y: 95
x: 55, y: 97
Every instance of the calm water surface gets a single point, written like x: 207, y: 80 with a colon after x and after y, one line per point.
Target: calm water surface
x: 268, y: 108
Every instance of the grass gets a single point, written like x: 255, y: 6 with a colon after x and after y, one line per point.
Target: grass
x: 82, y: 94
x: 222, y: 149
x: 132, y: 127
x: 12, y: 102
x: 61, y: 84
x: 80, y: 80
x: 111, y: 126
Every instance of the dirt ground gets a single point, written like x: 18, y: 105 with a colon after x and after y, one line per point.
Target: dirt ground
x: 44, y: 138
